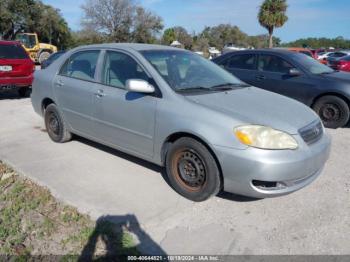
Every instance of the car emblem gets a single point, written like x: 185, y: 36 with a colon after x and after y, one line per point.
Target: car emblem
x: 316, y: 131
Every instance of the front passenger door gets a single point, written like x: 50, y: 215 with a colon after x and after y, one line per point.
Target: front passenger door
x: 273, y: 75
x: 124, y: 119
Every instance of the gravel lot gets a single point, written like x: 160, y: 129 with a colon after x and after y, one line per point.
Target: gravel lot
x: 102, y: 181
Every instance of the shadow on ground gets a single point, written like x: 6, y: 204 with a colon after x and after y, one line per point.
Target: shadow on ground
x: 155, y: 168
x: 109, y: 230
x: 11, y: 95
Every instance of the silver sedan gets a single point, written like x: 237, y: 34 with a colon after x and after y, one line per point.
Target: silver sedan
x: 174, y: 108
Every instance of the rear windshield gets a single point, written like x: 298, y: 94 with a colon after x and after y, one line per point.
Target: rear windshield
x: 12, y: 52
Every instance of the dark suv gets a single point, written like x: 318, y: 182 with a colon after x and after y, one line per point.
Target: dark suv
x: 297, y: 76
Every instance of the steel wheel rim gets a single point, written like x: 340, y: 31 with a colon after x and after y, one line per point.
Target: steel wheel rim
x: 54, y: 124
x: 189, y: 170
x: 330, y: 113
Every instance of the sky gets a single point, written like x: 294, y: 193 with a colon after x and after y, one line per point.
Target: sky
x: 307, y: 18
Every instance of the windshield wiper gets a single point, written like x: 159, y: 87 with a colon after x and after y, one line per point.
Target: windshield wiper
x: 228, y: 86
x: 193, y: 89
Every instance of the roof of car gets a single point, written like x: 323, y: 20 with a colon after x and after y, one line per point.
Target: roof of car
x: 137, y: 47
x: 263, y: 50
x: 299, y: 49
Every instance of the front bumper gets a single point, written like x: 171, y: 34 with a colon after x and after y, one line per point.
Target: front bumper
x: 269, y: 173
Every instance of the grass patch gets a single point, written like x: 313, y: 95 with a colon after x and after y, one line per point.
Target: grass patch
x: 32, y: 222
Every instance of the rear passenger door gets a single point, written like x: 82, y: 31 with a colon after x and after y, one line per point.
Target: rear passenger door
x: 74, y: 87
x: 242, y: 66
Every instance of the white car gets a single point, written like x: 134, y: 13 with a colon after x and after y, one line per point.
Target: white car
x: 323, y: 55
x: 336, y: 54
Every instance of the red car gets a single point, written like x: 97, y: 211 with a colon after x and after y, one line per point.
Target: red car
x: 341, y: 64
x: 16, y: 68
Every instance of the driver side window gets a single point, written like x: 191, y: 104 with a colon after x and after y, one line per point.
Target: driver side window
x: 119, y: 67
x: 271, y: 63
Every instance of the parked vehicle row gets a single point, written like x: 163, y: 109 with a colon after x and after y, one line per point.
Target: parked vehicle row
x: 177, y: 109
x: 341, y: 64
x: 326, y: 57
x: 297, y: 76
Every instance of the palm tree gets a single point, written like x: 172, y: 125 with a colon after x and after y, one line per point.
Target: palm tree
x: 272, y: 14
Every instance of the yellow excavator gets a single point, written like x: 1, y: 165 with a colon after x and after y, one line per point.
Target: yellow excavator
x: 38, y: 52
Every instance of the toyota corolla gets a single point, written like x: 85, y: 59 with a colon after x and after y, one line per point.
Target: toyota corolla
x: 174, y: 108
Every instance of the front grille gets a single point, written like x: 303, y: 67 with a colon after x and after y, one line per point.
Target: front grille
x: 312, y: 133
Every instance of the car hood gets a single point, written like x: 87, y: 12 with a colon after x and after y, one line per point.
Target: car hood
x: 256, y: 106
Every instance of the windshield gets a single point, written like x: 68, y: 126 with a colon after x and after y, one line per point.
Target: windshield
x: 312, y: 65
x: 188, y: 71
x: 27, y: 40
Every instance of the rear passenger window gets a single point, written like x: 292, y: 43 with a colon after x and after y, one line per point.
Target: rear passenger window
x: 81, y: 65
x: 270, y: 63
x: 241, y: 62
x: 119, y: 68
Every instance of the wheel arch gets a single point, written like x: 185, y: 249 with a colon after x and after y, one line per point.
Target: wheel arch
x: 344, y: 97
x: 45, y: 102
x: 176, y: 136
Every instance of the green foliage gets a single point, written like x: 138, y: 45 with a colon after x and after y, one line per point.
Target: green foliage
x: 169, y: 36
x: 272, y: 14
x: 33, y: 16
x: 338, y: 42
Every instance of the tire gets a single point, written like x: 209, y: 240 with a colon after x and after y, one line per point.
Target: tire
x: 43, y: 56
x: 192, y: 170
x: 55, y: 125
x: 23, y: 92
x: 333, y: 111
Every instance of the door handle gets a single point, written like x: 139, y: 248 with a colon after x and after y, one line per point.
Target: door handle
x: 100, y: 93
x: 260, y: 77
x: 60, y: 83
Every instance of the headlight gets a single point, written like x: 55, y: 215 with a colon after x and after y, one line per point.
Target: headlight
x: 265, y: 137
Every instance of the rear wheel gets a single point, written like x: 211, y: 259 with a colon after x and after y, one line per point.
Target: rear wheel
x: 43, y: 56
x: 192, y: 170
x: 333, y: 111
x: 55, y: 125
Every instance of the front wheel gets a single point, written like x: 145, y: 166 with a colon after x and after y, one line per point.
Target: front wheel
x: 55, y: 125
x: 192, y: 170
x: 333, y: 111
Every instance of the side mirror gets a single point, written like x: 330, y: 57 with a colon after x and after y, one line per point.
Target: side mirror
x: 294, y: 72
x: 139, y: 86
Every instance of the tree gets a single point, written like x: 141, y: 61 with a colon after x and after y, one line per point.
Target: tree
x: 33, y: 16
x: 169, y: 36
x: 223, y: 34
x: 146, y: 25
x: 339, y: 42
x: 177, y: 33
x: 272, y: 15
x: 121, y: 20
